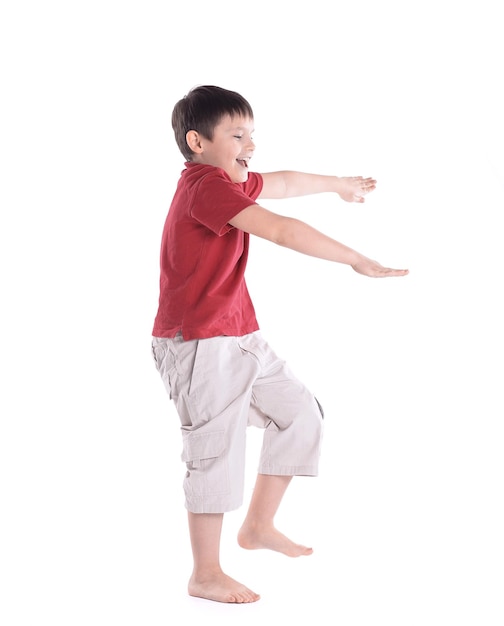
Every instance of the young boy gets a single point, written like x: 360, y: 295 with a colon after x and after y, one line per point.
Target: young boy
x: 217, y: 368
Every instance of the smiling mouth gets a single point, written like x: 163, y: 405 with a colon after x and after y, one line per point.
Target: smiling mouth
x: 243, y: 162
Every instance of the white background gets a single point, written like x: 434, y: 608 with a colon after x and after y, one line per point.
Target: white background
x: 406, y: 517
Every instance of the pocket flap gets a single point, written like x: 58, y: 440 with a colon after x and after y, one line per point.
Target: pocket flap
x: 198, y: 446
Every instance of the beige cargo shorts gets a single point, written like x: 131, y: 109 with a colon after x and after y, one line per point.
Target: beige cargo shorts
x: 220, y: 386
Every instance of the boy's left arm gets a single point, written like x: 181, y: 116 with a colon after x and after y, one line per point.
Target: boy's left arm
x: 289, y: 184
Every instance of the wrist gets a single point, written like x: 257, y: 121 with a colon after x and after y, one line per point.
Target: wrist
x: 336, y: 184
x: 356, y: 258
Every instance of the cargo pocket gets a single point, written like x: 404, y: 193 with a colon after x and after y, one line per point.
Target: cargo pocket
x: 207, y: 468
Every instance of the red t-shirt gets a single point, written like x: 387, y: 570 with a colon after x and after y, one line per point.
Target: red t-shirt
x: 203, y: 258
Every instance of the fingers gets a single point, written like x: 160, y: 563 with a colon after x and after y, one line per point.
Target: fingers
x: 367, y: 185
x: 364, y: 186
x: 386, y: 272
x: 375, y: 270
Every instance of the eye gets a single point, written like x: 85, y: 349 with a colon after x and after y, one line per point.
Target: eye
x: 238, y: 136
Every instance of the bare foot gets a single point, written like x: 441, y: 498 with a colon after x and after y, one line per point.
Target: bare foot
x: 219, y: 587
x: 254, y: 538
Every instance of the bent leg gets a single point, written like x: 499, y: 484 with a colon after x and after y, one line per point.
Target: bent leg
x: 208, y: 580
x: 258, y: 529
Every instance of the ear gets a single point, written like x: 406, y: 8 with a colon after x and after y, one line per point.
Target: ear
x: 193, y: 141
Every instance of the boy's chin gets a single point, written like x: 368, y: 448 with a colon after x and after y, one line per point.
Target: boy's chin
x: 240, y: 177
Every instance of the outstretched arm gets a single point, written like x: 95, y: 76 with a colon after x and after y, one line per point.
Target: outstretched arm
x: 299, y: 236
x: 289, y: 184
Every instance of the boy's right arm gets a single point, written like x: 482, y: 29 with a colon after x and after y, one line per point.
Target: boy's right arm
x: 301, y: 237
x: 289, y: 184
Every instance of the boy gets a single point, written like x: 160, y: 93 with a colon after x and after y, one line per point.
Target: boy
x: 218, y: 370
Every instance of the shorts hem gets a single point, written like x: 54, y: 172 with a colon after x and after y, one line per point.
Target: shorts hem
x: 212, y: 507
x: 303, y: 470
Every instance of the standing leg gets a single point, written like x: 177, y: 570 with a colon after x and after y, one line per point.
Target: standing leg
x: 208, y: 580
x: 258, y: 530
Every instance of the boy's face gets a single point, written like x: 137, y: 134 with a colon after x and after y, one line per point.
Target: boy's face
x: 231, y: 147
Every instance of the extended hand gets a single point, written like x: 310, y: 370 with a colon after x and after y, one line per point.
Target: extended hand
x: 368, y: 267
x: 354, y: 188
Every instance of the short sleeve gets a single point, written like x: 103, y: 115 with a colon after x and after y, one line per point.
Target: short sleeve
x: 218, y: 199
